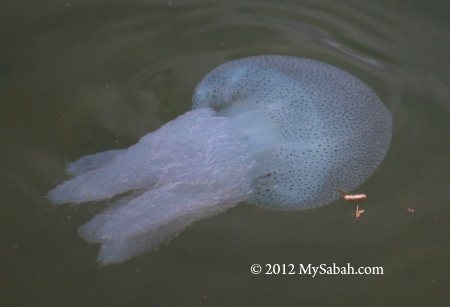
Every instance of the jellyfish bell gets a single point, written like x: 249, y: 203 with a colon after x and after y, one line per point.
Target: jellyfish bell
x: 278, y: 132
x: 333, y: 129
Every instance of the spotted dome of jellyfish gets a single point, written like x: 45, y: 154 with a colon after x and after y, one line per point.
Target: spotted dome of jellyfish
x: 333, y: 129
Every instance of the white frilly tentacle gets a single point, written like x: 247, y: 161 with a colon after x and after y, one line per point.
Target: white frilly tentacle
x: 192, y: 167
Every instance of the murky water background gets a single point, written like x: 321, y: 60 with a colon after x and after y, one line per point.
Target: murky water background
x: 78, y: 77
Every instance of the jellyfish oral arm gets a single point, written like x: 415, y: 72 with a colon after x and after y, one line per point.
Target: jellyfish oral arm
x: 193, y: 167
x: 157, y: 215
x: 93, y: 161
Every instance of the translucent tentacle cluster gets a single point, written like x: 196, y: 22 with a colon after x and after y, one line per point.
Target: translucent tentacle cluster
x: 193, y: 167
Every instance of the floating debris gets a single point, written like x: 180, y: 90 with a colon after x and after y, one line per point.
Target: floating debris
x: 358, y: 214
x: 353, y: 197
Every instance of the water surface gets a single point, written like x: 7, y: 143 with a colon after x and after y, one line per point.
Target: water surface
x: 78, y: 77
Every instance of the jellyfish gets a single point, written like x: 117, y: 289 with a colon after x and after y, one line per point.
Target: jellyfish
x: 279, y: 132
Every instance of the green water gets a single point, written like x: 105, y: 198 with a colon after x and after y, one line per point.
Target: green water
x: 78, y: 77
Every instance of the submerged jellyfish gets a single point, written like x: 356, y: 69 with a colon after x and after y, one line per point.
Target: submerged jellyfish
x: 279, y: 132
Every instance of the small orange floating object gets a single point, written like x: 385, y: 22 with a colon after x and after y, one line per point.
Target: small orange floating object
x: 352, y: 197
x: 358, y: 214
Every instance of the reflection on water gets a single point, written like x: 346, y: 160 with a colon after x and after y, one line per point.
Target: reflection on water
x: 78, y: 77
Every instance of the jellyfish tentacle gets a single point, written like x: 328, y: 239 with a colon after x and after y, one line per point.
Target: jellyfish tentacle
x: 143, y: 223
x: 116, y: 177
x: 91, y: 162
x: 193, y: 148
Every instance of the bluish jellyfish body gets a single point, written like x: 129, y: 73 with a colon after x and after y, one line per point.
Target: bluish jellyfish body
x: 276, y: 131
